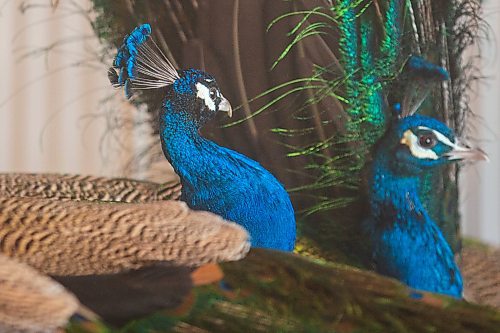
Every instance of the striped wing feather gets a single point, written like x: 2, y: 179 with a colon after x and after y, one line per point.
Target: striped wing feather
x: 89, y: 188
x: 481, y: 271
x: 81, y: 238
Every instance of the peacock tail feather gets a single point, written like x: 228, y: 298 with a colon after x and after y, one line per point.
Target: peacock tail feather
x: 258, y: 291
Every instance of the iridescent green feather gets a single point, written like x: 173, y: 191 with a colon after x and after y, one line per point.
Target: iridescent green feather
x: 279, y: 292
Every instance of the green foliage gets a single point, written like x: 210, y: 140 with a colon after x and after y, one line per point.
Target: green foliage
x: 359, y: 87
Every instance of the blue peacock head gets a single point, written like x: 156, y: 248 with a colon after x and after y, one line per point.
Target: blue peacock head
x: 418, y: 143
x: 196, y: 95
x: 192, y: 93
x: 415, y: 143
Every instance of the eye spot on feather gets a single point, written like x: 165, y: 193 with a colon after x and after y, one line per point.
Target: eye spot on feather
x: 204, y: 93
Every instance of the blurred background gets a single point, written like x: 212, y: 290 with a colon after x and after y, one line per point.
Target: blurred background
x: 480, y: 194
x: 58, y: 110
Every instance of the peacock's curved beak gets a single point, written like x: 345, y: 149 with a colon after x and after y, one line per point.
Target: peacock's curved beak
x: 225, y: 106
x: 460, y: 152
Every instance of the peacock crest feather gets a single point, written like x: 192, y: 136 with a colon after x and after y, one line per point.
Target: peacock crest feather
x: 141, y: 63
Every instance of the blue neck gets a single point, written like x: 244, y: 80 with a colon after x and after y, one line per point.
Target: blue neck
x: 229, y: 184
x: 408, y: 245
x: 190, y: 154
x: 181, y: 142
x: 200, y: 163
x: 386, y: 188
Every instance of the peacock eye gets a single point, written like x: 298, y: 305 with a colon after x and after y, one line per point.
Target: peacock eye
x: 213, y: 93
x: 427, y: 140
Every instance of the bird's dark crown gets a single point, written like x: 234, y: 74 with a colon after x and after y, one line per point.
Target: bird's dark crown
x: 186, y: 83
x: 196, y: 95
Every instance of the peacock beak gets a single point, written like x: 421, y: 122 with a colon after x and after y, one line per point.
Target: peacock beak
x: 460, y: 152
x: 225, y: 106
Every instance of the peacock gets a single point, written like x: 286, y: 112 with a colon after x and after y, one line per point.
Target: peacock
x: 125, y: 261
x: 336, y: 66
x: 270, y: 291
x: 98, y: 261
x: 213, y: 178
x: 480, y: 266
x: 371, y: 59
x: 407, y: 243
x: 129, y: 75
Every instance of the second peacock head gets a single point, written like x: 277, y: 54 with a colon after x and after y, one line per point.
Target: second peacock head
x: 142, y: 65
x: 417, y: 143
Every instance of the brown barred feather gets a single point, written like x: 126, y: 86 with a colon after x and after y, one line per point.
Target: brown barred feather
x: 122, y: 260
x: 481, y: 272
x: 89, y: 188
x: 31, y: 302
x: 80, y: 238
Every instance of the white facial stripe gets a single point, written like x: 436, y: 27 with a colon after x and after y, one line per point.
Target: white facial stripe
x: 416, y: 150
x: 203, y: 93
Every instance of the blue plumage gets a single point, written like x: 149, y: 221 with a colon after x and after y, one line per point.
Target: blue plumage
x: 125, y: 59
x: 213, y: 178
x: 426, y: 70
x: 408, y: 245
